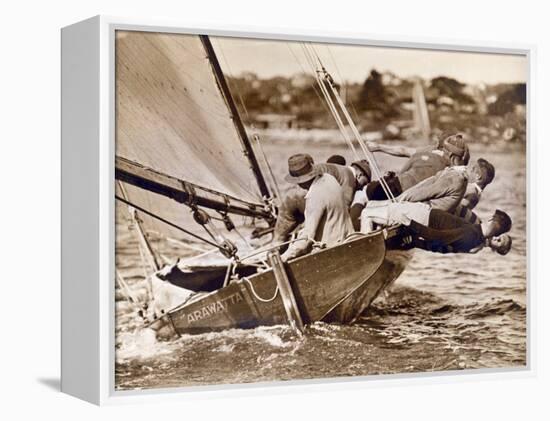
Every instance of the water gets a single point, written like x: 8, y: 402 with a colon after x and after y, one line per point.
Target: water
x: 446, y: 312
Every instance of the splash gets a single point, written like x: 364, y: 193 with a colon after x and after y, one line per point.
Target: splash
x: 140, y: 344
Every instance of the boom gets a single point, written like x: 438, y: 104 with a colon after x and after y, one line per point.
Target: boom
x: 183, y: 191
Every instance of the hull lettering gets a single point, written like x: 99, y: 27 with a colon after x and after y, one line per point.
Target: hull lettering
x: 212, y: 308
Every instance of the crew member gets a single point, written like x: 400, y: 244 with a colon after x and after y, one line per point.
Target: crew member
x: 326, y: 216
x: 422, y: 163
x: 473, y: 194
x: 446, y: 189
x: 291, y: 210
x: 440, y: 231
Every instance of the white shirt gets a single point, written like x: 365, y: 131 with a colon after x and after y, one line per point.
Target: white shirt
x: 326, y: 214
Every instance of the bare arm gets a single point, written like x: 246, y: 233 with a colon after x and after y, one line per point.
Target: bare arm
x: 466, y: 213
x: 471, y: 197
x: 313, y: 215
x: 291, y: 214
x: 395, y: 150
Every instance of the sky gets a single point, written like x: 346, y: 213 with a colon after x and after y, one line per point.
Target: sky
x: 269, y: 58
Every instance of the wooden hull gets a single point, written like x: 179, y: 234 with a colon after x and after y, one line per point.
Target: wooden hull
x: 352, y: 307
x: 320, y: 282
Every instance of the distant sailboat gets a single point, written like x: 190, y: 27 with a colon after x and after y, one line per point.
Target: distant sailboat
x: 421, y: 117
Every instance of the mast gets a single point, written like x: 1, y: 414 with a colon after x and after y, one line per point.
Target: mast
x: 248, y: 151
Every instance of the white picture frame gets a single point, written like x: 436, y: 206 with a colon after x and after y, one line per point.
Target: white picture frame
x: 88, y: 252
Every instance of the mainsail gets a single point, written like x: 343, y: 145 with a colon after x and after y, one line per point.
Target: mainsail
x: 174, y: 120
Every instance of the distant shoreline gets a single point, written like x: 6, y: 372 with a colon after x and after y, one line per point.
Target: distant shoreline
x: 326, y: 138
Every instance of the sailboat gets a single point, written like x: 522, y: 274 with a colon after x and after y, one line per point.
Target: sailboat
x: 186, y: 168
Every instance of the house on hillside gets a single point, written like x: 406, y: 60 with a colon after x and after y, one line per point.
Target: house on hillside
x: 275, y: 121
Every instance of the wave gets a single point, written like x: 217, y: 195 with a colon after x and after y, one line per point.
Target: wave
x: 143, y: 344
x: 496, y: 308
x: 408, y: 301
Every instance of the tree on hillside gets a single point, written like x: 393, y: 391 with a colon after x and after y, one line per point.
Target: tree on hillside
x: 507, y: 101
x: 446, y: 86
x: 375, y: 97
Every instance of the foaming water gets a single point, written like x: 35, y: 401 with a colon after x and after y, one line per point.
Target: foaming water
x: 446, y: 312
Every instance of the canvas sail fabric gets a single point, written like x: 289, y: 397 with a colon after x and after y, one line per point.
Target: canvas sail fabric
x: 172, y: 117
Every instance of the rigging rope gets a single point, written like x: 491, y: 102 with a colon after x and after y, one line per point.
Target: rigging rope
x: 329, y: 101
x: 146, y: 268
x: 197, y: 256
x: 368, y: 154
x: 171, y: 224
x: 231, y: 75
x: 324, y: 78
x: 342, y: 82
x: 311, y: 61
x: 305, y: 72
x: 189, y: 246
x: 125, y: 289
x: 139, y: 307
x: 256, y: 137
x: 255, y: 134
x: 145, y: 249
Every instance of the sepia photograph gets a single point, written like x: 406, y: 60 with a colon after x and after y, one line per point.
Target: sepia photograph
x: 295, y: 210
